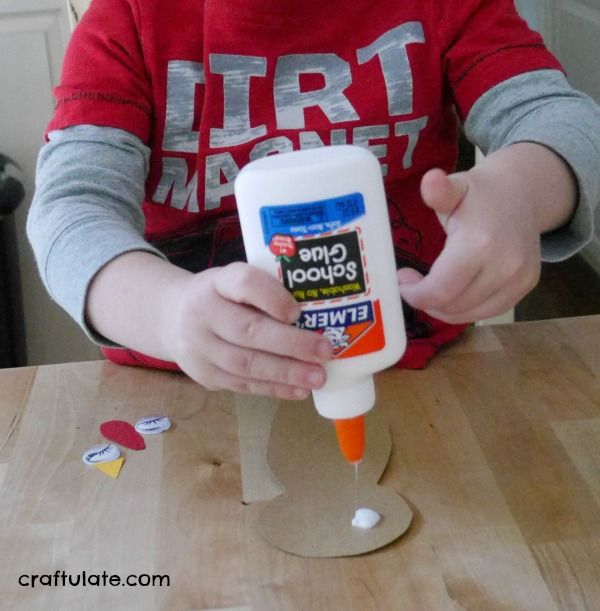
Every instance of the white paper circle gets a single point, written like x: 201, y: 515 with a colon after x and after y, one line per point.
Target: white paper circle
x: 152, y: 425
x: 103, y: 452
x: 365, y: 518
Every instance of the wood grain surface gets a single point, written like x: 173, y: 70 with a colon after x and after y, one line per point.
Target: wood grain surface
x: 496, y: 449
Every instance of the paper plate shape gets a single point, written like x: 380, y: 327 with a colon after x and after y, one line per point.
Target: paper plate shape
x: 103, y: 452
x: 313, y: 517
x: 152, y: 425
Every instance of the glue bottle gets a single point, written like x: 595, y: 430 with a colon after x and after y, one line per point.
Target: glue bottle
x: 317, y: 219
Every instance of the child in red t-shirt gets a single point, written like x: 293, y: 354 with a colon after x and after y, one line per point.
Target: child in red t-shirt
x: 159, y: 108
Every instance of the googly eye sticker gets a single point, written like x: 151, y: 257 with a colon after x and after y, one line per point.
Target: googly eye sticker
x: 103, y: 452
x: 152, y: 425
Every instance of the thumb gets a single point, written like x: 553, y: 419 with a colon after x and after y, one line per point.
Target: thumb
x: 443, y: 192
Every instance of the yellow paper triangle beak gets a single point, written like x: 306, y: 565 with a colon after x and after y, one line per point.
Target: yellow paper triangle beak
x: 112, y: 469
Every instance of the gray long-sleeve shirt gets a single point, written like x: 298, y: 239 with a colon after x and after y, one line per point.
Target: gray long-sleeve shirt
x: 90, y: 181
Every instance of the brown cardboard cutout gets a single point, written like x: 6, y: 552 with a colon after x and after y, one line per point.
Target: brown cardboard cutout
x: 254, y: 418
x: 313, y: 517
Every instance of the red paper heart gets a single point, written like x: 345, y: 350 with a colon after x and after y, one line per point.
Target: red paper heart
x: 123, y: 433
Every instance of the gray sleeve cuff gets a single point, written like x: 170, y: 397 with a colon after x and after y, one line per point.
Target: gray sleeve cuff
x: 70, y: 289
x: 86, y: 211
x: 542, y: 107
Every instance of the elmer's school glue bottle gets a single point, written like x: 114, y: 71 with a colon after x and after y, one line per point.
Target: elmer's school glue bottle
x: 317, y: 219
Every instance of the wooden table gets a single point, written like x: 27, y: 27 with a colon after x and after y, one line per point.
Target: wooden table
x: 496, y: 449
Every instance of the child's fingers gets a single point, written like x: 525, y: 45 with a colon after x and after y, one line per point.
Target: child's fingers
x: 514, y: 280
x: 407, y: 275
x: 247, y: 327
x: 265, y: 367
x: 443, y: 192
x: 450, y: 275
x: 214, y: 378
x: 243, y: 283
x: 497, y: 303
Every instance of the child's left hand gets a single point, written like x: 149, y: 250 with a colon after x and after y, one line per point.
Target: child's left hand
x: 493, y: 215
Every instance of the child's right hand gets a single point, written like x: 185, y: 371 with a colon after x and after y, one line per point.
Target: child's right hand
x: 230, y: 328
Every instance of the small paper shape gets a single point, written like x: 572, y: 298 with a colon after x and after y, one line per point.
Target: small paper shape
x: 103, y: 452
x: 123, y: 433
x: 152, y: 425
x: 112, y: 469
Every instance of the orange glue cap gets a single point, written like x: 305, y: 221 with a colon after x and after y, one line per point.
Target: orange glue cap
x: 351, y: 437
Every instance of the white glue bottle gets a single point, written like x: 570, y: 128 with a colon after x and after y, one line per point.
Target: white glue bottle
x: 317, y: 219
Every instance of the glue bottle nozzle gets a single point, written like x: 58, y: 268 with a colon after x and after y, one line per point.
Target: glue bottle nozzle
x: 351, y: 437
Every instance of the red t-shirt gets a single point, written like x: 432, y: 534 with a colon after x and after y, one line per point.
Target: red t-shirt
x: 210, y: 85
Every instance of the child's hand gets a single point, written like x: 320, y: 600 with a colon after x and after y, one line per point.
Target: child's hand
x: 230, y: 328
x: 493, y: 216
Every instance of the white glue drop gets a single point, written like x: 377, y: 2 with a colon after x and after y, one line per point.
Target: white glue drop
x: 365, y: 518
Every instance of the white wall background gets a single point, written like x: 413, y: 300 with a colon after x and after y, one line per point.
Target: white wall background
x: 77, y: 8
x: 532, y: 11
x: 33, y: 36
